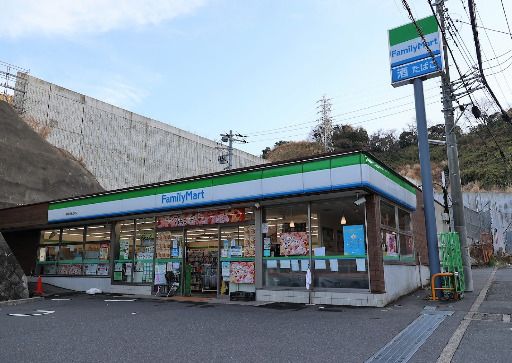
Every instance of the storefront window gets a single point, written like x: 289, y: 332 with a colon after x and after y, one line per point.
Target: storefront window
x: 71, y: 251
x: 168, y: 260
x: 285, y: 246
x: 338, y: 244
x: 237, y: 257
x: 123, y: 263
x: 48, y: 252
x: 144, y: 250
x: 396, y: 233
x: 97, y: 250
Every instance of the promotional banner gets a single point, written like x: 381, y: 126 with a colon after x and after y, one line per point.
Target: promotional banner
x: 353, y: 240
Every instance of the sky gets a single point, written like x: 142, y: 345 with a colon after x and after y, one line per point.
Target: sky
x: 255, y: 67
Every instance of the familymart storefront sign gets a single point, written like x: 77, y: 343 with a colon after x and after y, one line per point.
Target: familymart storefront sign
x: 323, y: 175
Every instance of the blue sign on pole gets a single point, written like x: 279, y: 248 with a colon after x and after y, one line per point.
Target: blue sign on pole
x: 416, y: 69
x: 353, y: 240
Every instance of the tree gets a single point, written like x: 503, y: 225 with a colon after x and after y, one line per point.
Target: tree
x: 346, y: 138
x: 383, y: 141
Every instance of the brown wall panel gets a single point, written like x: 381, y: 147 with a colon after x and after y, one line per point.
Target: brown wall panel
x: 28, y: 216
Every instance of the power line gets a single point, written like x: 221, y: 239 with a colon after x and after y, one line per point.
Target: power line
x: 347, y: 123
x: 471, y: 6
x: 294, y: 125
x: 506, y: 18
x: 280, y: 130
x: 485, y: 28
x: 494, y: 52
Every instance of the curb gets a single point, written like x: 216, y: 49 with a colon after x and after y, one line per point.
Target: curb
x: 21, y: 301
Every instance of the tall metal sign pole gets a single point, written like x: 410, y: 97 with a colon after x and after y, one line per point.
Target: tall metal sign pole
x: 415, y: 57
x: 453, y: 161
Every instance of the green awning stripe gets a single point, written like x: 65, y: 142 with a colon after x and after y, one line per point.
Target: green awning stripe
x: 237, y: 177
x: 388, y: 174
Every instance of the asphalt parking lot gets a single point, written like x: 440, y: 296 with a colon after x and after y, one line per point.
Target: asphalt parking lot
x: 88, y: 328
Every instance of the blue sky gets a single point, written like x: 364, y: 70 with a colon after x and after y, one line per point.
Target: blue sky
x: 251, y: 66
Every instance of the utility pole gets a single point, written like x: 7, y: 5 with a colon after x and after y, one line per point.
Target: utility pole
x: 453, y: 158
x: 230, y: 138
x: 325, y: 122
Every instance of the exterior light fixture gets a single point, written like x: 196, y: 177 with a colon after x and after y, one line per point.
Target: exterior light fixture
x: 292, y: 224
x: 343, y: 220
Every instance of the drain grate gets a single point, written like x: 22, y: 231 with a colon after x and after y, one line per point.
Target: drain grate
x: 403, y: 346
x: 489, y: 317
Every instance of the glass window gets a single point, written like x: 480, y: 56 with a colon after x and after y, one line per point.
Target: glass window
x: 168, y: 259
x: 338, y: 244
x: 396, y: 238
x: 404, y: 220
x: 387, y: 215
x: 285, y: 246
x: 48, y: 252
x: 123, y: 262
x: 97, y: 250
x: 144, y: 250
x: 71, y: 251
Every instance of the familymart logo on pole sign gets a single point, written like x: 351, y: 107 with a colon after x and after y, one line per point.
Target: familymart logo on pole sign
x: 408, y: 55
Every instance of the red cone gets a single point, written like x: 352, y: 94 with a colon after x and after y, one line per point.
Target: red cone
x: 39, y: 287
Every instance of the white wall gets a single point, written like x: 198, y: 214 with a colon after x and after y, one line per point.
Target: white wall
x: 120, y: 148
x: 401, y: 279
x: 85, y: 283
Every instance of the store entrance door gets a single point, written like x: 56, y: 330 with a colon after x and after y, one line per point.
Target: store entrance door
x: 202, y: 259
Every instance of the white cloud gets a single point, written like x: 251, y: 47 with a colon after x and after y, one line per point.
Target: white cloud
x: 119, y: 93
x: 70, y: 17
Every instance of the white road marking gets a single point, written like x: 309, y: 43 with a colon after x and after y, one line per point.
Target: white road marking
x: 506, y: 318
x: 36, y: 313
x: 61, y: 299
x: 117, y: 300
x: 454, y: 342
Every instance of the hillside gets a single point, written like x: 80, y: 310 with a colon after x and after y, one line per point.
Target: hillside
x: 32, y: 170
x: 483, y: 165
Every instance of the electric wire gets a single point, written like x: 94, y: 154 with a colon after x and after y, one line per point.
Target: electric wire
x: 494, y: 52
x: 294, y: 125
x: 506, y: 18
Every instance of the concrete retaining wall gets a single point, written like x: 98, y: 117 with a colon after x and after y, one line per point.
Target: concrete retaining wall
x: 120, y: 148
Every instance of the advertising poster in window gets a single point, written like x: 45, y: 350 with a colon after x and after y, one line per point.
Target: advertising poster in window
x: 201, y: 218
x: 353, y: 240
x: 249, y: 241
x: 294, y: 244
x: 124, y: 249
x: 391, y: 247
x: 241, y: 272
x: 103, y: 255
x: 103, y: 269
x: 91, y: 269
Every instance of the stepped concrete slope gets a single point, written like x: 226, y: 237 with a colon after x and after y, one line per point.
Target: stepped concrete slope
x: 32, y: 170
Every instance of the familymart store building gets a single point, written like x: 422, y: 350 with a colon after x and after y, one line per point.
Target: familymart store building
x: 339, y: 229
